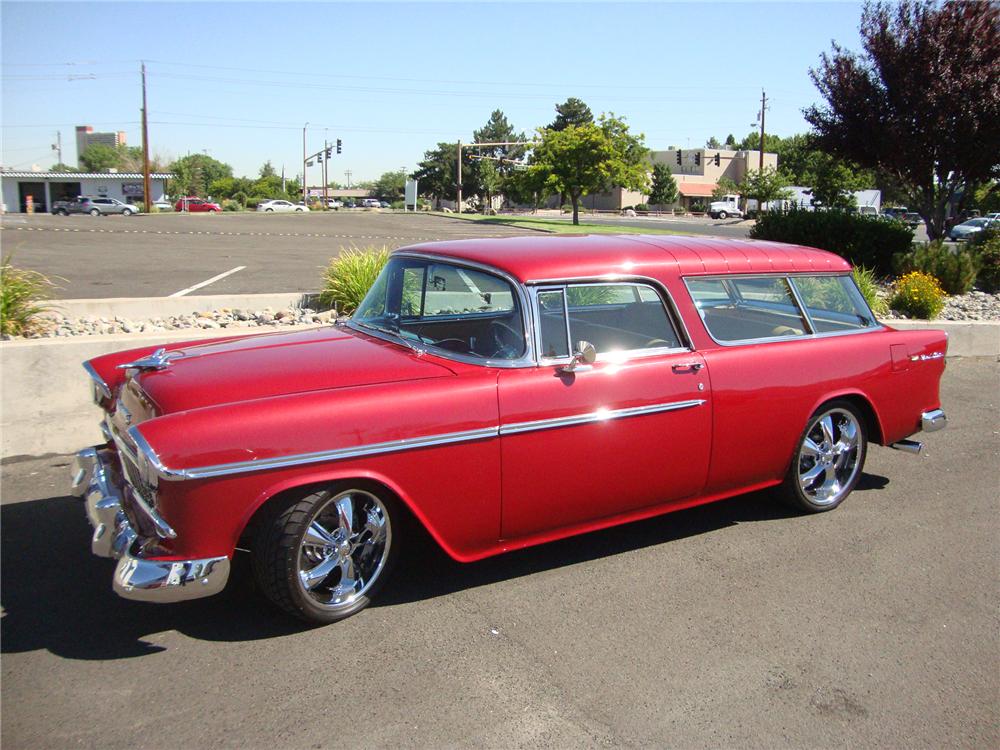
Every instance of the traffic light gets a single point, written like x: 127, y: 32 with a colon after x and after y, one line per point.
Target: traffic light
x: 718, y: 161
x: 338, y: 145
x: 697, y: 158
x: 679, y: 157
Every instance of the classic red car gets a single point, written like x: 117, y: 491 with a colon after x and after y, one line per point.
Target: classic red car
x: 501, y: 393
x: 195, y: 205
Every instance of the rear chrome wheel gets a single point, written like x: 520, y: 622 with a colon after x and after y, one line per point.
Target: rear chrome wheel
x: 828, y: 459
x: 325, y: 556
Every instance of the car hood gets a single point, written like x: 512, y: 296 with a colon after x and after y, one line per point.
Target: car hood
x: 275, y: 364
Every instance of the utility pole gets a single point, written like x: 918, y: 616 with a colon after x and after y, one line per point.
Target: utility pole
x: 348, y: 173
x: 326, y: 182
x: 304, y: 181
x: 57, y: 146
x: 763, y: 107
x: 458, y: 205
x: 145, y: 145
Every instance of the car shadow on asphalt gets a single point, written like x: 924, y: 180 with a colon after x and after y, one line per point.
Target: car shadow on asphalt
x: 430, y: 573
x: 57, y: 596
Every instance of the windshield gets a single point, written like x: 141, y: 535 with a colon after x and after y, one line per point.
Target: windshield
x: 457, y: 309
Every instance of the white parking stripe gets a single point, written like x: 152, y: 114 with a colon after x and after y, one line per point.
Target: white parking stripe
x: 206, y: 282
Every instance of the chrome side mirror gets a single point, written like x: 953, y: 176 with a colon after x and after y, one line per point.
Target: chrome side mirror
x: 583, y: 357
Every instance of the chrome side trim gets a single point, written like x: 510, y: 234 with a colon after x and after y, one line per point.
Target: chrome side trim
x: 98, y: 382
x: 392, y: 446
x: 338, y: 454
x: 601, y: 415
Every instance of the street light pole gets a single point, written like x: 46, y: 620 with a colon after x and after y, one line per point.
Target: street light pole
x: 458, y: 206
x: 304, y: 180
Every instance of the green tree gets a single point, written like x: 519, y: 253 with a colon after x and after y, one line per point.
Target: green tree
x: 752, y: 142
x: 436, y: 173
x: 195, y: 172
x: 267, y: 170
x: 497, y: 130
x: 725, y: 186
x: 390, y: 185
x: 491, y: 180
x: 713, y: 142
x: 764, y: 186
x: 99, y: 157
x: 987, y: 197
x: 730, y: 142
x: 60, y: 167
x: 894, y: 106
x: 573, y: 111
x: 664, y: 188
x: 587, y: 158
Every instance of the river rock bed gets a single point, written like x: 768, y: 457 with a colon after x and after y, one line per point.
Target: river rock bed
x: 973, y: 305
x: 54, y: 324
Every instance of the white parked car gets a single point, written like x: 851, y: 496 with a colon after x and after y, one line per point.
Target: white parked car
x: 370, y: 203
x: 334, y: 203
x: 280, y: 205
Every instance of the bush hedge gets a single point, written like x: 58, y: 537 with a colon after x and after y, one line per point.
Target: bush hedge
x: 869, y: 241
x: 956, y: 270
x: 986, y: 246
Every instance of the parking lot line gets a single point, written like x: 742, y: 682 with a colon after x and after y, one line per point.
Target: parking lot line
x: 206, y: 282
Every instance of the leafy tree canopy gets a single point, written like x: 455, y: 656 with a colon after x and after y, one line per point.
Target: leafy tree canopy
x: 582, y: 159
x: 390, y: 185
x: 764, y: 186
x: 920, y: 102
x: 195, y: 172
x: 436, y: 173
x: 99, y: 157
x: 60, y: 167
x: 267, y: 170
x: 713, y: 142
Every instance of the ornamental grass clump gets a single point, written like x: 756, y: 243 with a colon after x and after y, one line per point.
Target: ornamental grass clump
x: 350, y: 275
x: 917, y: 295
x: 869, y: 286
x: 22, y: 299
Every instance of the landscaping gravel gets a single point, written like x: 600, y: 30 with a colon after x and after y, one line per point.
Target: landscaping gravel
x: 971, y: 306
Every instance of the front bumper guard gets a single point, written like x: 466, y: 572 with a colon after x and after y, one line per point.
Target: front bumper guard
x: 136, y: 577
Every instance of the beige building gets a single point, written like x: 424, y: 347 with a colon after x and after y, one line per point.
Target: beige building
x: 697, y: 172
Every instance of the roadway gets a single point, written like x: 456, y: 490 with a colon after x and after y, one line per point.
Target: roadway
x: 738, y: 624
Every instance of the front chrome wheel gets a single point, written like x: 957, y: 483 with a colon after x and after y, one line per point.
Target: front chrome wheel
x: 322, y: 556
x: 344, y: 549
x: 828, y: 459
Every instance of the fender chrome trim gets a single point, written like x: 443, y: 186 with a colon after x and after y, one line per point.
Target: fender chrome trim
x: 393, y: 446
x: 601, y: 415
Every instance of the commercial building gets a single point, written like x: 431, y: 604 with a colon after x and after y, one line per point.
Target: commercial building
x: 85, y: 136
x: 697, y: 172
x: 45, y: 187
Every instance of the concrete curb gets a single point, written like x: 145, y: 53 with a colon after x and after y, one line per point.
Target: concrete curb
x: 45, y: 402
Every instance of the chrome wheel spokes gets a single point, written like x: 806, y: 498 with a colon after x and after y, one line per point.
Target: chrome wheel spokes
x: 828, y: 458
x: 344, y: 548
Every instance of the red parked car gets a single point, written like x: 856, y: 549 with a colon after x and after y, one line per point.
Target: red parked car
x: 501, y: 393
x: 194, y: 205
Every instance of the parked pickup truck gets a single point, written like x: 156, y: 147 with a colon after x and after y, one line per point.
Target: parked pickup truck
x: 93, y: 206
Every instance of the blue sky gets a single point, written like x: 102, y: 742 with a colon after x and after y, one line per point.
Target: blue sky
x: 239, y: 80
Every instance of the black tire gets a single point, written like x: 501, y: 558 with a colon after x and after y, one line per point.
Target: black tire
x: 127, y: 212
x: 828, y: 460
x: 268, y: 210
x: 94, y: 212
x: 723, y: 215
x: 284, y: 555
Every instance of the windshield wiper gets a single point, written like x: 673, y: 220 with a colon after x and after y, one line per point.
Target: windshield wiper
x: 395, y: 334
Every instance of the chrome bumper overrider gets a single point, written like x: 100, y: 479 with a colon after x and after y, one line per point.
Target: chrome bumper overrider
x: 148, y: 580
x: 931, y: 421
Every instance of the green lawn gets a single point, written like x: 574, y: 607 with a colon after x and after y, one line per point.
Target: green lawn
x: 556, y: 226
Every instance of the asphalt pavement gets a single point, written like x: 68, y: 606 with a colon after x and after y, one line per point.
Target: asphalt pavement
x: 739, y: 624
x: 158, y: 255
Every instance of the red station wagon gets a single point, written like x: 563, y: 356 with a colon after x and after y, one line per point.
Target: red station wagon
x: 196, y: 205
x: 501, y: 393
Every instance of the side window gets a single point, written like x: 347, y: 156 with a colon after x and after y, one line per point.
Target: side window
x: 743, y: 309
x: 613, y: 317
x: 552, y: 321
x: 833, y: 303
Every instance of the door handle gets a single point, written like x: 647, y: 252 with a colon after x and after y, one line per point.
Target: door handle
x: 692, y: 366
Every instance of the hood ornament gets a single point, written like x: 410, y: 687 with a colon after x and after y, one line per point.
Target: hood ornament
x: 158, y: 360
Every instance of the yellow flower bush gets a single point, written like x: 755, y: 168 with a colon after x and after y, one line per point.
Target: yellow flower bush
x: 917, y: 295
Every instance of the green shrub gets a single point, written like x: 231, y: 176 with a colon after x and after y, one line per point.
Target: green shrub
x: 868, y: 241
x: 349, y: 276
x: 253, y: 202
x: 397, y: 205
x: 566, y: 208
x: 956, y: 270
x: 231, y: 205
x: 986, y: 246
x: 641, y: 208
x: 22, y: 298
x: 868, y: 284
x: 240, y: 197
x: 917, y: 295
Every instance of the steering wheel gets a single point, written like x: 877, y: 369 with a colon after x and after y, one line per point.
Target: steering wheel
x: 454, y: 345
x: 508, y: 343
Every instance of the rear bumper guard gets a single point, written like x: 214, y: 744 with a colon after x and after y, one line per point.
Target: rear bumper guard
x: 930, y: 421
x: 142, y: 579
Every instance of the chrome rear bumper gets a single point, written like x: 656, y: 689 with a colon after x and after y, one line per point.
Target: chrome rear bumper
x: 150, y: 580
x: 931, y: 421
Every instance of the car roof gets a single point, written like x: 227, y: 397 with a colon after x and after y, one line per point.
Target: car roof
x: 535, y: 259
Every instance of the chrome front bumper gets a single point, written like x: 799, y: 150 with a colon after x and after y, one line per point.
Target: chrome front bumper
x: 142, y: 579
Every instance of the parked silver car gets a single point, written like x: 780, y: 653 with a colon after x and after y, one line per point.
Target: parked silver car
x: 967, y: 229
x: 93, y: 206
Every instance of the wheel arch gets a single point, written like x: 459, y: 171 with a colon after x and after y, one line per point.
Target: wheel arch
x: 865, y: 407
x: 275, y: 494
